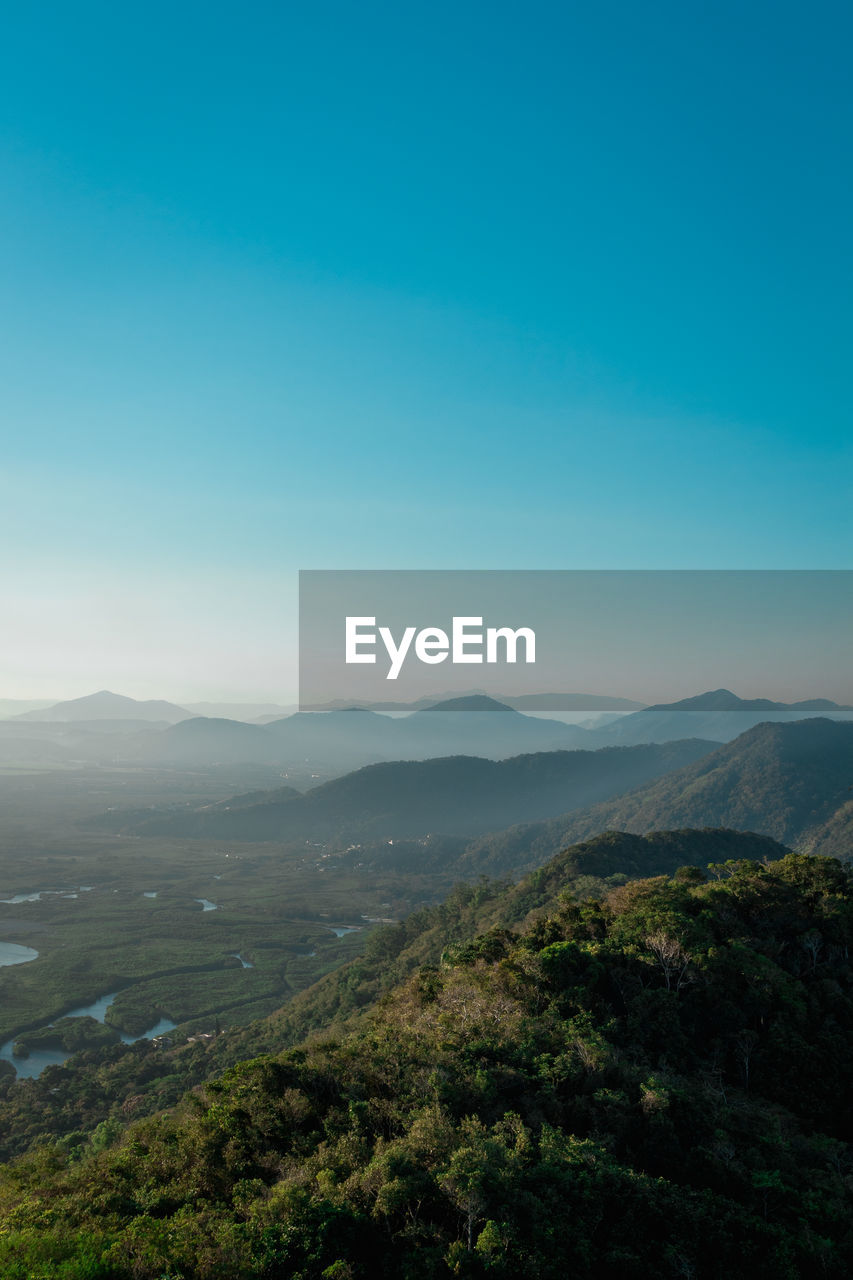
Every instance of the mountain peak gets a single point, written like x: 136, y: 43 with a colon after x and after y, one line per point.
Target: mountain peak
x: 105, y: 705
x: 721, y: 700
x: 472, y: 702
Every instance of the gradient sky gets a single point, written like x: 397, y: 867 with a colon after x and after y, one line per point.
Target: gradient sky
x: 379, y: 286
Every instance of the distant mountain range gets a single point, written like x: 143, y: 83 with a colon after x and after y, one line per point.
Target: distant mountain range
x: 338, y: 741
x: 108, y: 706
x: 585, y: 702
x: 457, y: 794
x: 791, y: 782
x: 252, y: 712
x: 719, y: 715
x: 108, y: 728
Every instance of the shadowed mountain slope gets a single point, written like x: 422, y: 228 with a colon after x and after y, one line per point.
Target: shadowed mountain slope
x: 793, y: 782
x: 458, y: 794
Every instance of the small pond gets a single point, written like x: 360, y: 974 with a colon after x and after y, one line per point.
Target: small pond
x: 13, y: 953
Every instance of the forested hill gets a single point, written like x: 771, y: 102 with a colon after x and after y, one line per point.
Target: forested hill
x: 591, y: 867
x: 785, y: 780
x: 453, y: 794
x: 113, y: 1084
x: 793, y: 782
x: 646, y: 1084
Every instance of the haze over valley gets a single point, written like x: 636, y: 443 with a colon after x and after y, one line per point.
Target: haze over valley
x: 181, y: 892
x: 199, y: 839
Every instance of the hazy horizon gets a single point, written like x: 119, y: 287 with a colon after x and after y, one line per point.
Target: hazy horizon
x: 291, y: 704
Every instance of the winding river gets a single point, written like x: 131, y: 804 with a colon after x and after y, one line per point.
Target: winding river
x: 32, y: 1066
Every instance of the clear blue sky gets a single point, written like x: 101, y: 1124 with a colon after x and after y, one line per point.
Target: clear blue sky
x: 337, y: 285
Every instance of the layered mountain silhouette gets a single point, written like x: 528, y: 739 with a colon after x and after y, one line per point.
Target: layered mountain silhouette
x: 252, y: 712
x: 719, y: 715
x: 109, y: 728
x: 206, y: 740
x: 583, y: 702
x: 793, y: 782
x: 338, y: 741
x: 458, y: 794
x: 108, y: 706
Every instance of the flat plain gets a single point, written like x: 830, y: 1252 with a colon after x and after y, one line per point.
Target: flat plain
x: 202, y: 933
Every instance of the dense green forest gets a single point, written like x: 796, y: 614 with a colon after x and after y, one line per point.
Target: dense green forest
x: 119, y: 1082
x: 652, y: 1081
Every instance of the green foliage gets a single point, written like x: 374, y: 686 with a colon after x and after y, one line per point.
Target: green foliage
x: 644, y: 1085
x: 127, y: 1083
